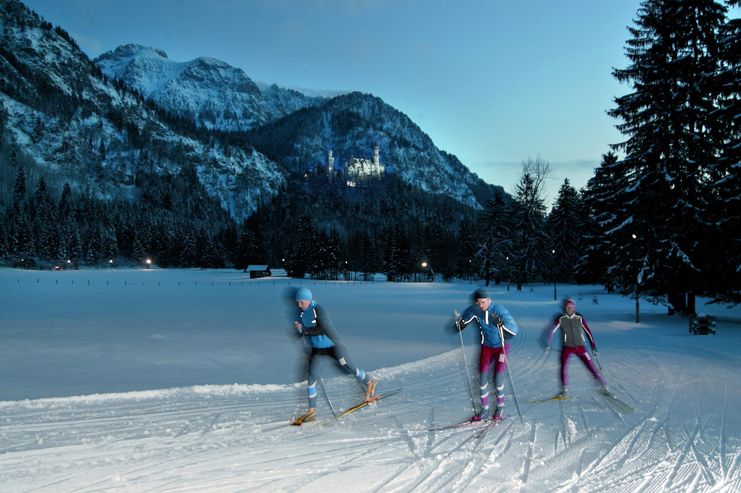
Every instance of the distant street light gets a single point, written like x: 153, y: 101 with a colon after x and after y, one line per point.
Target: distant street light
x: 555, y: 291
x: 509, y: 274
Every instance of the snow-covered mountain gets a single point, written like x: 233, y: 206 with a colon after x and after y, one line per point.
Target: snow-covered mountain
x: 293, y: 129
x: 351, y: 125
x: 76, y: 125
x: 209, y: 92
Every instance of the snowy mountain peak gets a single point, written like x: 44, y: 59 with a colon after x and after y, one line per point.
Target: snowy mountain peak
x: 206, y: 90
x: 131, y: 51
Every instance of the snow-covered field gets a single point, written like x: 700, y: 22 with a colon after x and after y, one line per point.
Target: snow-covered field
x: 185, y: 380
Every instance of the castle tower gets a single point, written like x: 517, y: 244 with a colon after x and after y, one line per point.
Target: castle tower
x: 376, y: 158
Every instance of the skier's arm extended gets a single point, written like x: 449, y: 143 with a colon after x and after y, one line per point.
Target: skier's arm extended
x: 465, y: 319
x: 556, y: 326
x: 588, y: 331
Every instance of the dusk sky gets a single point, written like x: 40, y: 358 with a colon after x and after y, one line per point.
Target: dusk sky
x: 494, y: 82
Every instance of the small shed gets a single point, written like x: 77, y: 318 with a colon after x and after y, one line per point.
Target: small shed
x: 257, y: 271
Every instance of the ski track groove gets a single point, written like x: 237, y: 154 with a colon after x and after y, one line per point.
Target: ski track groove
x: 584, y: 419
x: 658, y: 393
x: 469, y: 439
x: 387, y: 481
x: 529, y: 458
x: 210, y: 426
x: 564, y: 425
x: 722, y: 432
x: 407, y: 438
x: 474, y: 473
x: 477, y: 462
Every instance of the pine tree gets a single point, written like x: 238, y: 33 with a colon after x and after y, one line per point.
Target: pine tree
x: 495, y: 247
x: 109, y: 244
x: 19, y: 189
x: 370, y: 255
x: 3, y: 121
x: 396, y: 257
x: 65, y: 206
x: 4, y: 239
x: 302, y: 247
x: 722, y: 254
x: 140, y: 252
x: 528, y: 252
x: 601, y: 206
x: 565, y: 233
x: 663, y: 217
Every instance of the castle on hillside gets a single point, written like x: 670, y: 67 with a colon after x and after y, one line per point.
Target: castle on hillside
x: 358, y: 169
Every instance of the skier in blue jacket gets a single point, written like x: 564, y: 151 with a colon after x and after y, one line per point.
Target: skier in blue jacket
x: 314, y: 324
x: 495, y: 323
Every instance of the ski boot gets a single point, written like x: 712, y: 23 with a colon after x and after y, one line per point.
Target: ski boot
x: 605, y: 390
x: 498, y: 413
x: 482, y: 415
x: 563, y: 394
x: 309, y: 415
x: 370, y: 390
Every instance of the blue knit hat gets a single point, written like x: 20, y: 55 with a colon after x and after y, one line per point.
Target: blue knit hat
x: 479, y: 294
x: 303, y: 294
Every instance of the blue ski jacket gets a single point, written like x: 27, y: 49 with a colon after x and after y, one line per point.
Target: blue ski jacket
x: 488, y: 321
x: 317, y: 326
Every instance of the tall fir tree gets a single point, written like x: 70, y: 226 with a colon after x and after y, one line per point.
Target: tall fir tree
x: 19, y: 189
x: 600, y: 202
x: 723, y: 254
x: 565, y: 234
x: 528, y: 212
x: 662, y: 220
x: 495, y: 246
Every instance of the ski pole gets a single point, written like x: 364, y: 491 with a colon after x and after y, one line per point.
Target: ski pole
x: 465, y: 362
x: 509, y: 373
x: 326, y: 395
x: 596, y: 358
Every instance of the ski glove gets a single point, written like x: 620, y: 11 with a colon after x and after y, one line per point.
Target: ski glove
x: 459, y: 324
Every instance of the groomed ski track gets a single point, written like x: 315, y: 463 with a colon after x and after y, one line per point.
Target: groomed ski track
x: 683, y: 436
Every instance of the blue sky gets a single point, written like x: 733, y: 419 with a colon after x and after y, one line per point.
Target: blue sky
x: 494, y: 82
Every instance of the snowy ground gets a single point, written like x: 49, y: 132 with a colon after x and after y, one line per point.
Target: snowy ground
x: 152, y: 364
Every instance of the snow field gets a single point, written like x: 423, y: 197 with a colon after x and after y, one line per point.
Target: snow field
x: 684, y: 434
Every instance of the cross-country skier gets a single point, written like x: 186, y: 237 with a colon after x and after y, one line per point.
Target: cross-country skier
x: 314, y: 324
x: 490, y: 317
x: 574, y: 327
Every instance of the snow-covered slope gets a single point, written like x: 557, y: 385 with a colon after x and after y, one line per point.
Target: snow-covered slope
x: 209, y: 92
x: 76, y: 125
x: 684, y: 435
